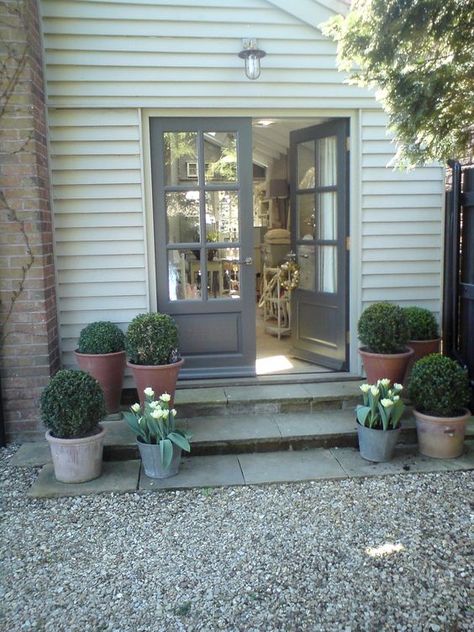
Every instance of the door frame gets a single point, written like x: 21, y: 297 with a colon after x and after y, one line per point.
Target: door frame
x: 355, y: 193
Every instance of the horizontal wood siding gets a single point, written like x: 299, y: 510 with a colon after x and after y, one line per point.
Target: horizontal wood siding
x: 98, y: 205
x: 184, y: 54
x: 401, y: 223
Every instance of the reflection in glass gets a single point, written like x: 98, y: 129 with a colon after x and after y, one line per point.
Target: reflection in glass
x: 306, y: 259
x: 222, y: 216
x: 327, y: 269
x: 327, y: 213
x: 220, y: 156
x: 326, y: 161
x: 306, y: 215
x: 306, y: 165
x: 182, y: 214
x: 223, y: 274
x: 183, y: 282
x: 180, y: 156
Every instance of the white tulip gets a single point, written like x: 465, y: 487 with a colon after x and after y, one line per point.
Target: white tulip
x: 386, y: 403
x: 365, y: 388
x: 374, y: 390
x: 165, y: 397
x: 136, y: 408
x: 174, y: 412
x: 149, y: 392
x: 156, y: 414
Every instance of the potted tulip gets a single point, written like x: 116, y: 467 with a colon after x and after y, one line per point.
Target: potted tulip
x: 159, y: 441
x: 72, y: 404
x: 101, y: 352
x: 378, y: 420
x: 152, y: 347
x: 383, y: 332
x: 439, y: 391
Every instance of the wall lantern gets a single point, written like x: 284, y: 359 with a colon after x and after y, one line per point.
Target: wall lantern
x: 252, y: 55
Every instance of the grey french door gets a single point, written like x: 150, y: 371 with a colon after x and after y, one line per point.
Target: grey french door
x: 319, y: 224
x: 202, y: 205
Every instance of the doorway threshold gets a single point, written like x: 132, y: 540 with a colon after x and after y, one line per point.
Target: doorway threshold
x: 262, y: 380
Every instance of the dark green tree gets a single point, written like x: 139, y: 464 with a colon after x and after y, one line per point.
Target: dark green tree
x: 419, y: 57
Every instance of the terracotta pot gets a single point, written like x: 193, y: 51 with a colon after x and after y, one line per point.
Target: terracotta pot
x: 161, y: 377
x: 77, y: 460
x: 108, y: 370
x: 441, y: 437
x: 381, y: 365
x: 421, y: 349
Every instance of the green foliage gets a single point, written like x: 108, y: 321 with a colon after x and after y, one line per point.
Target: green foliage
x: 439, y: 386
x: 155, y: 424
x: 152, y: 339
x: 418, y: 56
x: 383, y: 328
x: 72, y: 404
x: 383, y: 407
x: 421, y: 323
x: 101, y: 337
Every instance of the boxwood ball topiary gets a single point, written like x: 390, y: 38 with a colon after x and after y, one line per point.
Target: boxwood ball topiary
x: 383, y: 328
x: 421, y: 323
x: 101, y: 337
x: 72, y: 404
x: 152, y: 339
x: 439, y: 386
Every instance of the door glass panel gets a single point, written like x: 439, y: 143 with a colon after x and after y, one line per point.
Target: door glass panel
x: 306, y: 215
x: 223, y: 273
x: 182, y: 215
x: 326, y: 161
x: 306, y: 261
x: 220, y: 156
x: 184, y: 279
x: 305, y: 166
x: 327, y: 269
x: 180, y: 157
x: 222, y: 216
x: 327, y: 213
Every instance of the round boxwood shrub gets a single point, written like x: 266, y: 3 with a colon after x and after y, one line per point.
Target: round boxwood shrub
x: 152, y: 339
x: 383, y: 328
x: 101, y: 337
x: 439, y: 386
x: 421, y: 323
x: 72, y: 404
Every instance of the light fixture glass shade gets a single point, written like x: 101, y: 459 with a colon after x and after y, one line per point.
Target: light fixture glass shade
x: 252, y: 66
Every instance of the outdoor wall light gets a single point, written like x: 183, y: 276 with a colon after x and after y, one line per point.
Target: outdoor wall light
x: 252, y: 55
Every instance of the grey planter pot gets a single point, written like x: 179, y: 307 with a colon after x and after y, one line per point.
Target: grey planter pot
x: 77, y: 460
x: 377, y: 445
x: 151, y: 459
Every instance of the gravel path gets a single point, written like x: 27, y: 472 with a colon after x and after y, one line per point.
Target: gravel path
x: 359, y: 554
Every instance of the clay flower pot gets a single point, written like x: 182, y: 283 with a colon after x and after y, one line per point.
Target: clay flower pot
x: 421, y: 349
x: 79, y: 459
x: 108, y: 370
x: 441, y: 437
x: 161, y: 377
x: 380, y: 365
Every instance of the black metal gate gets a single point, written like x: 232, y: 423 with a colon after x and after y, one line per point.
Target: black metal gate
x: 458, y: 311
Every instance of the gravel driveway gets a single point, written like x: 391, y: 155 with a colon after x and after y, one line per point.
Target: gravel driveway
x: 359, y: 554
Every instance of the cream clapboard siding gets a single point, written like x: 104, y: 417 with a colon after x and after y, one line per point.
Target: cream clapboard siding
x: 183, y: 54
x: 401, y: 223
x: 98, y: 206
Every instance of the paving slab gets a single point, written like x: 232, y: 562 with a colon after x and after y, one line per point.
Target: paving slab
x: 405, y: 460
x: 232, y: 428
x: 118, y: 433
x: 32, y: 454
x: 332, y: 390
x: 266, y: 393
x: 210, y: 395
x: 117, y: 476
x: 309, y: 424
x: 291, y: 466
x: 199, y: 471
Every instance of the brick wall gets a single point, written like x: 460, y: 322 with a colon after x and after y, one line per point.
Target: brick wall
x: 29, y: 352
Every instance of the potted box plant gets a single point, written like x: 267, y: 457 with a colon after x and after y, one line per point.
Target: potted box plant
x: 439, y: 391
x: 101, y: 352
x: 378, y: 420
x: 159, y: 441
x: 424, y: 334
x: 72, y: 404
x: 152, y: 347
x: 383, y: 332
